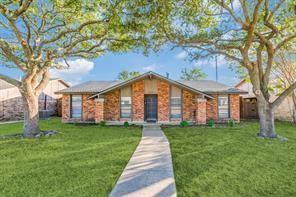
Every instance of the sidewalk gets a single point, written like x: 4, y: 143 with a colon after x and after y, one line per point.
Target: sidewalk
x: 149, y: 171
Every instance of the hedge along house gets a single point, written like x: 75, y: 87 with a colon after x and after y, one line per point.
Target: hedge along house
x: 150, y: 97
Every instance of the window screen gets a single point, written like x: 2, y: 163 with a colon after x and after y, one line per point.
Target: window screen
x: 76, y: 106
x: 223, y: 106
x: 126, y: 102
x: 175, y: 102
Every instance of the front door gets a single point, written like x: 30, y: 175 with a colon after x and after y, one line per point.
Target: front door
x: 151, y: 108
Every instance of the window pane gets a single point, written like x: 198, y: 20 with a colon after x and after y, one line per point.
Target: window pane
x: 125, y: 102
x: 223, y: 106
x: 176, y: 102
x: 76, y: 106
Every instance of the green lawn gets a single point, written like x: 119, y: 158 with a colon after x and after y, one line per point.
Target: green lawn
x: 79, y: 161
x: 233, y: 161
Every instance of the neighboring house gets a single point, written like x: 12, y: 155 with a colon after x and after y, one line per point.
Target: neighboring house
x: 150, y: 97
x: 248, y: 103
x: 11, y: 103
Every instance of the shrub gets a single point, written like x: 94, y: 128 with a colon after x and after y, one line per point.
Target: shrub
x: 211, y: 123
x: 126, y: 124
x: 184, y: 123
x: 102, y: 123
x: 231, y: 123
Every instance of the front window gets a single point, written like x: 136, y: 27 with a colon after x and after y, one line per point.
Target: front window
x: 76, y: 106
x: 223, y: 106
x: 126, y: 102
x: 176, y: 102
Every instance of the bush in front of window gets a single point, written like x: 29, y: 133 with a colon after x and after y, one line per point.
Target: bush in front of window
x: 184, y: 123
x: 126, y: 124
x: 211, y: 123
x: 102, y: 123
x: 231, y: 123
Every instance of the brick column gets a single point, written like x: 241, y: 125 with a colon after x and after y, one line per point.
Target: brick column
x: 234, y: 107
x: 138, y: 101
x: 201, y: 111
x: 163, y: 108
x: 65, y: 108
x: 99, y: 110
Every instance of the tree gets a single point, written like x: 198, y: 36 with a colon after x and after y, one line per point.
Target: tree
x: 125, y: 74
x: 37, y: 35
x: 248, y: 33
x: 193, y: 74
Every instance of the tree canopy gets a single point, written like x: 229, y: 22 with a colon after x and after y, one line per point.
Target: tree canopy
x: 125, y: 75
x: 193, y: 74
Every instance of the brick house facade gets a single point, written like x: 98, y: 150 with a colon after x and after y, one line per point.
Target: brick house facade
x: 150, y: 97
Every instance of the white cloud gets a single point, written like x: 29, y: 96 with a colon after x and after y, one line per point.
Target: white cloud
x: 78, y: 69
x: 152, y: 67
x: 181, y: 55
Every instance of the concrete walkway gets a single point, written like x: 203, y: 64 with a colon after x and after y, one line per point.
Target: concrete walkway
x: 149, y: 171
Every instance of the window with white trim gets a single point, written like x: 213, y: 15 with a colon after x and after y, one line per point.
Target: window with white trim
x: 176, y: 102
x: 126, y: 102
x: 223, y: 106
x: 76, y: 106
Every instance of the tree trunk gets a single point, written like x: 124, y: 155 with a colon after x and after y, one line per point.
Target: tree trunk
x: 266, y: 118
x: 31, y: 115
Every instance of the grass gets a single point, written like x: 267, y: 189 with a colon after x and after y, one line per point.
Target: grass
x: 79, y: 161
x: 233, y: 161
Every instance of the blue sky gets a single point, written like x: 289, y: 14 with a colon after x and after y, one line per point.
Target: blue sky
x: 108, y: 66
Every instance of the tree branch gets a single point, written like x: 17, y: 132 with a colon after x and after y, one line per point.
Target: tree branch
x: 282, y: 97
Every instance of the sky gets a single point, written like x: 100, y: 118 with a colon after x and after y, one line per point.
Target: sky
x: 109, y: 65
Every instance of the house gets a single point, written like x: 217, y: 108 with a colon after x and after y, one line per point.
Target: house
x: 11, y: 103
x: 248, y: 102
x: 150, y: 97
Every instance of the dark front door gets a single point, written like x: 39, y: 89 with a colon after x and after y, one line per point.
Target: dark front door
x: 151, y: 108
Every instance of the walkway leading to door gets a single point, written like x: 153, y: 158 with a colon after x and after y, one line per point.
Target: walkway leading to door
x: 149, y: 171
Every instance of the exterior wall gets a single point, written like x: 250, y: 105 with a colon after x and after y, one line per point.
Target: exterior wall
x: 88, y: 108
x: 112, y: 106
x: 285, y: 112
x: 201, y: 111
x: 188, y: 106
x: 163, y: 105
x: 234, y: 107
x: 212, y: 108
x: 138, y: 101
x: 99, y: 110
x: 66, y: 108
x: 11, y: 103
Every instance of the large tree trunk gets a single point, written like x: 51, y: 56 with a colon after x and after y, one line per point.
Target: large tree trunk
x: 31, y: 115
x: 266, y: 118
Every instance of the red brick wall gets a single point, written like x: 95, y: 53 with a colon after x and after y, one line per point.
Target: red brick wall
x: 65, y: 108
x: 201, y: 111
x: 234, y: 107
x: 99, y: 110
x: 212, y: 108
x: 163, y: 107
x: 88, y: 108
x: 138, y: 101
x: 112, y: 106
x: 188, y: 105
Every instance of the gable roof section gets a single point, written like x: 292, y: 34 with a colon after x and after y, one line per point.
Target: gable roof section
x: 150, y: 74
x: 203, y: 87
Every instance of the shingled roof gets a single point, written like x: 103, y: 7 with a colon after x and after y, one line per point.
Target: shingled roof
x: 201, y: 86
x: 4, y: 85
x: 209, y: 86
x: 89, y: 87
